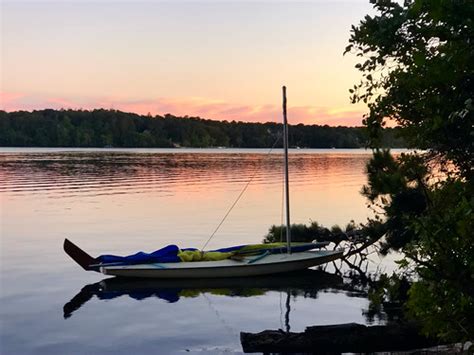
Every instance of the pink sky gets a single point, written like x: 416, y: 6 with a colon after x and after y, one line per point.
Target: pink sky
x: 217, y: 60
x: 216, y: 110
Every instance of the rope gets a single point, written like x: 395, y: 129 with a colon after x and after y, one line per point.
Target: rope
x: 239, y: 196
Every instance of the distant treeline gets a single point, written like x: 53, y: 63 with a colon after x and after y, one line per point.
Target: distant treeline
x: 110, y: 128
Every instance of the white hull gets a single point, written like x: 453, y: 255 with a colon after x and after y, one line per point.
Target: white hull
x: 249, y: 266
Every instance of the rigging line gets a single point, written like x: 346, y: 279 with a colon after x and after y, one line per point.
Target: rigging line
x: 239, y: 196
x: 230, y: 330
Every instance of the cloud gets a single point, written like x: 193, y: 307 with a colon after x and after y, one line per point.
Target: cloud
x: 7, y: 98
x: 190, y: 106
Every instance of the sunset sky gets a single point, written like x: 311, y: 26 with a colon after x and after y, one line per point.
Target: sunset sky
x: 218, y: 60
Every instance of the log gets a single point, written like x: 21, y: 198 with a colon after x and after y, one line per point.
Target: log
x: 334, y: 339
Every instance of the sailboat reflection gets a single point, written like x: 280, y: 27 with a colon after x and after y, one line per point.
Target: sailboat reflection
x: 306, y: 283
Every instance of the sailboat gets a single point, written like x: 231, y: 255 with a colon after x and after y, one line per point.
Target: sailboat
x: 239, y: 261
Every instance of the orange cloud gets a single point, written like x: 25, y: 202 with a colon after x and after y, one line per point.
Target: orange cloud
x: 192, y: 106
x: 220, y: 110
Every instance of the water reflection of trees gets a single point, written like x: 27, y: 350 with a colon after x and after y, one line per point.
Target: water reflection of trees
x: 386, y: 293
x: 306, y: 284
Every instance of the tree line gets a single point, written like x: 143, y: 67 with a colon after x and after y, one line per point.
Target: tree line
x: 112, y: 128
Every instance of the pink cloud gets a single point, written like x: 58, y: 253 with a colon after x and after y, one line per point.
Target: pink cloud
x: 193, y: 106
x: 8, y: 100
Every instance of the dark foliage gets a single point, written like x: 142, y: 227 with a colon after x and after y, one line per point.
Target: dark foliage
x: 313, y: 232
x: 102, y: 128
x: 418, y: 70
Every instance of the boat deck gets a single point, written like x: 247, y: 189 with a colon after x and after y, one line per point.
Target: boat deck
x: 248, y: 266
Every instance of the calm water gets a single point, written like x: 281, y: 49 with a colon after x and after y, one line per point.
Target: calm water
x: 122, y: 201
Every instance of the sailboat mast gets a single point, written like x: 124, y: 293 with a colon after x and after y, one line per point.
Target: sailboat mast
x: 287, y: 185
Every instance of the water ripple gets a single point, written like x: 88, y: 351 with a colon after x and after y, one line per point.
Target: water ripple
x: 93, y: 173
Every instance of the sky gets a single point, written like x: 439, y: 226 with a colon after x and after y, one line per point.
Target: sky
x: 223, y: 60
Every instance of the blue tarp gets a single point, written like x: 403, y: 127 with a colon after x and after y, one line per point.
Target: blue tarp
x: 169, y: 254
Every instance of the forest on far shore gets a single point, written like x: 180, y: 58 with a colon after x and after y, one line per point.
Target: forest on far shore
x: 111, y: 128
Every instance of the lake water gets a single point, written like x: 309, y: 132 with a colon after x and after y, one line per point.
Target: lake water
x: 122, y: 201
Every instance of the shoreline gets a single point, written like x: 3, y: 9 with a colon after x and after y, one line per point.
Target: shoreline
x: 361, y: 151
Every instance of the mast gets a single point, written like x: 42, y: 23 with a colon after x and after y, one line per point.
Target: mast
x: 287, y: 185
